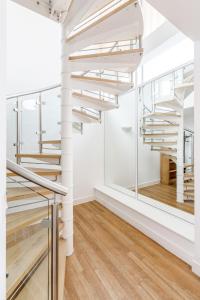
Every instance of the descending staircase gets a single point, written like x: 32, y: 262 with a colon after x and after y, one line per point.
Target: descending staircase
x: 103, y: 41
x: 29, y: 234
x: 162, y: 129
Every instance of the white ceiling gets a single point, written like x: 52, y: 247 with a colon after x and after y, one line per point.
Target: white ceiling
x: 184, y: 14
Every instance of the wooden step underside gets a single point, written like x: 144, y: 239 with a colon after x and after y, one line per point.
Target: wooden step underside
x: 38, y: 171
x: 92, y: 102
x: 114, y: 87
x: 123, y: 23
x: 38, y: 155
x: 19, y: 193
x: 44, y: 157
x: 85, y: 117
x: 170, y: 116
x: 160, y: 127
x: 123, y: 61
x: 173, y: 104
x: 159, y: 135
x: 161, y: 144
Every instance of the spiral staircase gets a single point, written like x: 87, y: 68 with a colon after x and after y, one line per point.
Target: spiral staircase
x: 103, y: 41
x: 163, y: 131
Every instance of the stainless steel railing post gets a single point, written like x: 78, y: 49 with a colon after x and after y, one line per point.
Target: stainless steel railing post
x: 40, y: 123
x: 54, y: 251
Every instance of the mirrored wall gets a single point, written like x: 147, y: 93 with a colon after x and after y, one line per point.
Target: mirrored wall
x: 149, y: 141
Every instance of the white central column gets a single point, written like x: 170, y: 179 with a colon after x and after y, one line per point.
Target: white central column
x: 196, y: 261
x: 180, y: 159
x: 2, y: 150
x: 67, y: 147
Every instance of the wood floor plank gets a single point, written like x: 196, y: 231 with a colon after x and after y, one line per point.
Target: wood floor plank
x: 166, y: 194
x: 113, y: 260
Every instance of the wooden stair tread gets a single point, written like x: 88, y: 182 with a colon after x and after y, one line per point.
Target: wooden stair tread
x: 22, y: 257
x: 38, y: 171
x: 36, y: 288
x: 19, y: 193
x: 19, y: 220
x: 105, y: 54
x: 102, y: 80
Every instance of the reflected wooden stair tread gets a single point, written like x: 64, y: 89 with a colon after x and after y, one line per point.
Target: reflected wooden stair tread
x: 162, y: 114
x: 38, y: 171
x: 22, y: 192
x: 159, y: 135
x: 52, y: 142
x: 19, y: 220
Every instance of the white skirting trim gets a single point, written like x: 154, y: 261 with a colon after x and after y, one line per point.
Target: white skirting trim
x: 196, y: 267
x: 172, y: 240
x: 83, y: 200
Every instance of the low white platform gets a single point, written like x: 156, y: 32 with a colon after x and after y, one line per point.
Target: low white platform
x: 171, y: 228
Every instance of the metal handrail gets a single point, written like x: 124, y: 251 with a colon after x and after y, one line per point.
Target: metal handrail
x: 33, y: 92
x: 167, y: 73
x: 39, y: 180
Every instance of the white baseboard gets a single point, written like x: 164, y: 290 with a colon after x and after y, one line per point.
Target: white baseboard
x: 196, y: 267
x: 82, y: 200
x: 172, y: 240
x: 148, y: 183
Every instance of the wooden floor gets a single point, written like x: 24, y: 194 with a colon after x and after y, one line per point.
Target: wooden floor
x: 112, y: 260
x: 166, y: 194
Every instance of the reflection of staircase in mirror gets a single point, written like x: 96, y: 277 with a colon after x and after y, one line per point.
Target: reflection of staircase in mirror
x: 162, y: 130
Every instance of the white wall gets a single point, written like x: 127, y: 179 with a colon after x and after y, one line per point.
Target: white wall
x: 33, y: 50
x: 120, y: 148
x: 89, y: 160
x: 34, y: 62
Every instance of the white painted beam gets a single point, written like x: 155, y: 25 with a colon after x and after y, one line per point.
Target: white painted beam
x: 3, y: 151
x: 196, y: 262
x: 67, y: 149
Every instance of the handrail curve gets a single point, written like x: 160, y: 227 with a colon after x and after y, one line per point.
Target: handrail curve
x: 39, y: 180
